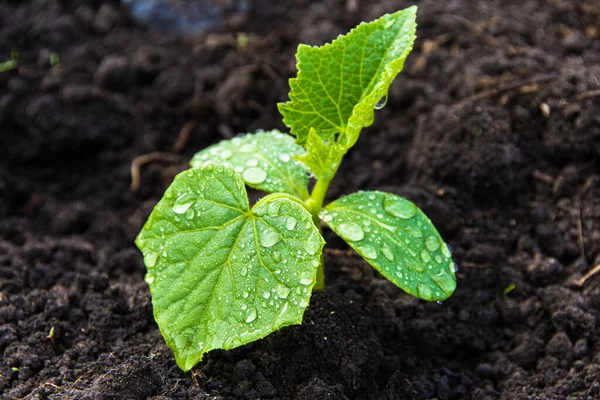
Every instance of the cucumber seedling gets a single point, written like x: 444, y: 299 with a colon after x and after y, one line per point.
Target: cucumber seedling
x: 223, y: 273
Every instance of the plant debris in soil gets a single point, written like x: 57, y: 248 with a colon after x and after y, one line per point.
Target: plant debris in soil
x: 492, y: 129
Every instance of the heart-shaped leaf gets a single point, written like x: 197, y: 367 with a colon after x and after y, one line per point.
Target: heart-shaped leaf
x: 223, y: 274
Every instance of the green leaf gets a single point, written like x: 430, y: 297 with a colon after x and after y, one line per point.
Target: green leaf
x: 339, y: 84
x: 397, y: 239
x: 321, y: 158
x: 263, y: 160
x: 221, y: 274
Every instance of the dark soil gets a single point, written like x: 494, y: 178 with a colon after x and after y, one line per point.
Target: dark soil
x: 493, y: 129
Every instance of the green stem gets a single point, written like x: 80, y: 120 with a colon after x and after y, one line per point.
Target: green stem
x: 314, y: 205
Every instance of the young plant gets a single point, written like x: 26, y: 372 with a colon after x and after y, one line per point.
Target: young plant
x: 223, y: 273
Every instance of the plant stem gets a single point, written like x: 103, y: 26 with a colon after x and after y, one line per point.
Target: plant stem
x: 315, y: 205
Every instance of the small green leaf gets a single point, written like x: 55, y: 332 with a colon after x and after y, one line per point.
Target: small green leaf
x: 397, y: 239
x: 321, y: 158
x: 221, y: 274
x: 339, y: 84
x: 264, y: 161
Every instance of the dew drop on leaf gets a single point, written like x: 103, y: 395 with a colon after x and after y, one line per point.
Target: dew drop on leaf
x: 182, y: 208
x: 282, y: 292
x: 432, y: 243
x: 150, y: 259
x: 415, y: 266
x: 399, y: 208
x: 248, y: 148
x: 326, y: 217
x: 149, y: 279
x: 291, y: 223
x: 351, y: 231
x: 387, y: 252
x: 251, y: 316
x: 368, y: 252
x: 254, y: 175
x: 424, y: 291
x: 285, y: 157
x: 226, y: 154
x: 425, y: 256
x: 444, y: 281
x: 306, y: 278
x: 381, y: 103
x: 269, y: 238
x: 446, y: 251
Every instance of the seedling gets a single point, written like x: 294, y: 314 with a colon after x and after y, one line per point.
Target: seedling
x: 222, y: 273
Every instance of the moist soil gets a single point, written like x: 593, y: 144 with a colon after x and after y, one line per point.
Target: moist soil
x: 493, y: 129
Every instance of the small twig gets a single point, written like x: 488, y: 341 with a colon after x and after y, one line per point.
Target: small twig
x: 580, y: 233
x: 579, y: 282
x: 469, y: 264
x: 184, y: 135
x: 145, y: 159
x: 588, y: 94
x: 521, y: 83
x: 540, y: 176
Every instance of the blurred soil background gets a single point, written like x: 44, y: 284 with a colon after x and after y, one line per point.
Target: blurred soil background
x: 493, y: 129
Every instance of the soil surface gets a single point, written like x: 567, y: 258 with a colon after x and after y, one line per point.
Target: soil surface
x: 493, y: 129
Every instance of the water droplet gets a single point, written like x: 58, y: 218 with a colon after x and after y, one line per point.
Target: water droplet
x: 367, y: 252
x: 244, y: 271
x: 225, y: 154
x: 276, y: 256
x: 269, y: 237
x: 439, y: 259
x: 266, y: 294
x: 150, y: 259
x: 432, y: 243
x: 306, y: 278
x: 424, y: 291
x: 399, y: 207
x: 325, y: 216
x: 245, y: 295
x: 381, y: 103
x: 371, y: 197
x: 181, y: 208
x: 446, y: 251
x: 425, y: 256
x: 149, y: 278
x: 453, y: 266
x: 244, y: 306
x: 445, y: 281
x: 416, y: 266
x: 282, y: 292
x: 413, y: 231
x: 253, y: 162
x: 248, y: 148
x: 285, y: 157
x: 387, y: 252
x: 351, y: 231
x: 313, y: 244
x: 254, y: 175
x: 251, y: 316
x: 291, y: 223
